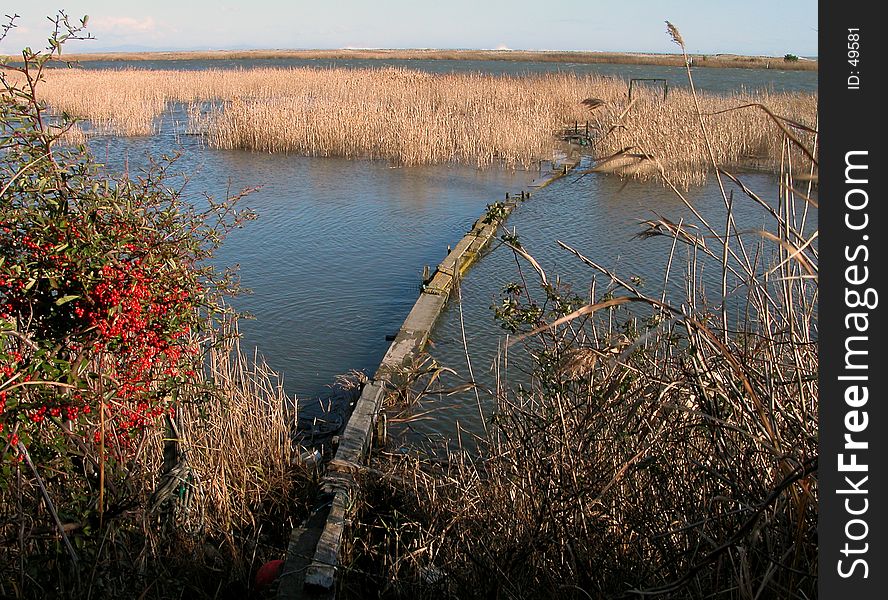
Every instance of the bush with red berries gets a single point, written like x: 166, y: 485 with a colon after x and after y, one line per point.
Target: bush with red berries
x: 105, y: 289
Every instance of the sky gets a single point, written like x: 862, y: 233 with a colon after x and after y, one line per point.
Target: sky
x: 767, y: 27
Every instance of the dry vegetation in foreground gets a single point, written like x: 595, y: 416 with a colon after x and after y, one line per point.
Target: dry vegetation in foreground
x: 655, y: 453
x: 662, y: 449
x: 204, y: 503
x: 414, y: 117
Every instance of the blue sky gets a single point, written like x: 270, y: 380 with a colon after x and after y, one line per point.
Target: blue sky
x: 771, y: 27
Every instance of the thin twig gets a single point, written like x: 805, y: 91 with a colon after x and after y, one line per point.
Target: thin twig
x: 49, y: 505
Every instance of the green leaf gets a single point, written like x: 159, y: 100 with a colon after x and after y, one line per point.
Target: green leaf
x: 66, y: 299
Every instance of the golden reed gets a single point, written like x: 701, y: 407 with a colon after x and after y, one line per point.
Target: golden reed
x: 413, y: 117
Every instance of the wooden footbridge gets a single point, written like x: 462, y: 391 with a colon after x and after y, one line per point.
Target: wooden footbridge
x: 310, y: 569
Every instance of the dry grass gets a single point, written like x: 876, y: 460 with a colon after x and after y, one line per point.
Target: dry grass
x: 413, y: 117
x: 407, y: 116
x: 236, y: 445
x: 127, y: 108
x: 203, y: 502
x: 650, y: 138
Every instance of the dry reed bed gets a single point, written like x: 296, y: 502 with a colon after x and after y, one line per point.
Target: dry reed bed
x: 237, y: 444
x: 655, y: 138
x: 654, y: 453
x: 414, y: 117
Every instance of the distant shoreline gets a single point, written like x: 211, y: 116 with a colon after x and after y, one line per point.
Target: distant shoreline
x: 699, y: 60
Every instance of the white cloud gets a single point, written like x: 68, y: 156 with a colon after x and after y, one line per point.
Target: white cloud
x: 122, y: 25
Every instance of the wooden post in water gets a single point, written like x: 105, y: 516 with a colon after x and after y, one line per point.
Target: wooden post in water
x: 381, y: 431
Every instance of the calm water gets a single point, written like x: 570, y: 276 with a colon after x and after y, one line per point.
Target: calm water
x: 335, y: 258
x: 712, y: 80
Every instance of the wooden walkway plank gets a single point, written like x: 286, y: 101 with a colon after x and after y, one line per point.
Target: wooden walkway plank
x: 320, y: 538
x: 321, y: 573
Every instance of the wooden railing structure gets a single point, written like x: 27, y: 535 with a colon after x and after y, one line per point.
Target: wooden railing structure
x: 309, y: 571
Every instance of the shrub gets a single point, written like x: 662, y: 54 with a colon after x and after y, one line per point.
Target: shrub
x: 790, y: 58
x: 110, y: 319
x: 104, y: 285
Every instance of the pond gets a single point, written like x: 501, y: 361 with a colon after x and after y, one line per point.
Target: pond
x: 334, y: 260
